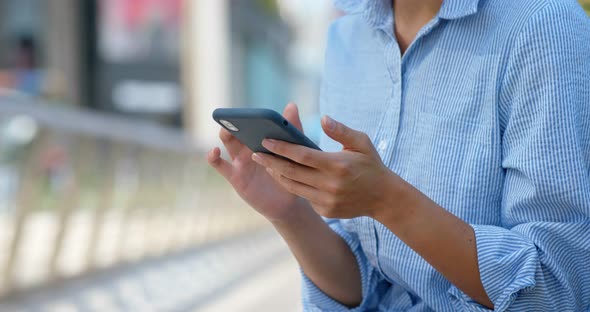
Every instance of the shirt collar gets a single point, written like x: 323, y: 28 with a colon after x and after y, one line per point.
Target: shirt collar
x: 378, y: 12
x: 455, y: 9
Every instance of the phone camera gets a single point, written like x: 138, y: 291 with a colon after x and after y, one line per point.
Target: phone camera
x: 228, y: 125
x: 285, y: 122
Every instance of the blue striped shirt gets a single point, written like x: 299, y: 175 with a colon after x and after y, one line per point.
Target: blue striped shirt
x: 488, y: 114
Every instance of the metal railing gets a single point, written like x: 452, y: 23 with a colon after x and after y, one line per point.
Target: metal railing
x: 81, y: 191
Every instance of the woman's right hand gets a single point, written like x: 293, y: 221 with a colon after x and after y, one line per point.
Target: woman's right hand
x: 251, y: 180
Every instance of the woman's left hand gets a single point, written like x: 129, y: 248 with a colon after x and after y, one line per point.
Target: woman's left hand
x: 346, y: 184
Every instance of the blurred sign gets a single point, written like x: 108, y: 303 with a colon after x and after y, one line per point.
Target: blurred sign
x: 139, y: 30
x: 135, y: 96
x: 138, y: 57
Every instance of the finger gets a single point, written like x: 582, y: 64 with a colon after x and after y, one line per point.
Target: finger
x: 297, y: 188
x: 349, y: 138
x: 291, y: 113
x: 221, y: 165
x: 289, y: 169
x: 298, y: 153
x: 232, y: 145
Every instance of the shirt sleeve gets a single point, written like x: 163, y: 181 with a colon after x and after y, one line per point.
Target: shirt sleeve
x: 539, y: 262
x: 316, y: 300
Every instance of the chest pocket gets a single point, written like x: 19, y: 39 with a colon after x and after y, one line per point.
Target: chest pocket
x: 464, y: 89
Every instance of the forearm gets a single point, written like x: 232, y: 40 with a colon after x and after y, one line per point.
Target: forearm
x: 323, y: 255
x: 442, y: 239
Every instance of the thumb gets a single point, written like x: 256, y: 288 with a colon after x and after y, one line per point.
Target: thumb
x: 291, y: 113
x: 349, y: 138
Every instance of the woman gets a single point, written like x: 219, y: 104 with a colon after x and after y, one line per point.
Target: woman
x: 465, y: 182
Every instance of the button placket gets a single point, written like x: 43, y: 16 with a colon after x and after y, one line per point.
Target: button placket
x: 389, y: 124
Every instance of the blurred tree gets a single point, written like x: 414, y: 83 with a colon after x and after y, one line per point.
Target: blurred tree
x: 586, y: 5
x: 269, y: 6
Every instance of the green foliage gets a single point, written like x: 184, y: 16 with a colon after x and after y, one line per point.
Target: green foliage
x: 269, y: 6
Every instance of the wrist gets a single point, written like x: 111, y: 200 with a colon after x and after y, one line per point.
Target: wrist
x: 293, y: 213
x: 394, y: 205
x: 303, y: 219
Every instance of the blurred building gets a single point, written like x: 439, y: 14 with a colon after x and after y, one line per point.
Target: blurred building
x: 171, y: 61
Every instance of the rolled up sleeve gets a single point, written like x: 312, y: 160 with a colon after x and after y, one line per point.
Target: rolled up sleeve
x: 539, y: 260
x: 316, y: 300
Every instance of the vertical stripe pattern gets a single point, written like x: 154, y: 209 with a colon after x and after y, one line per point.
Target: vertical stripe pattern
x: 488, y: 114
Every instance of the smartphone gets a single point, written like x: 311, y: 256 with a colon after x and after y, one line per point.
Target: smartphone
x: 252, y: 125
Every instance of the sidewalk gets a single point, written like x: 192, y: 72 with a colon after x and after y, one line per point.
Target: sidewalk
x: 275, y: 289
x: 253, y: 273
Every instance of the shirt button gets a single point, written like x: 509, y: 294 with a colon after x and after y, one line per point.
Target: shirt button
x: 382, y: 146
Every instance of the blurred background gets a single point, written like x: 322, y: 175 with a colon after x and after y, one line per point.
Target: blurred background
x: 106, y: 200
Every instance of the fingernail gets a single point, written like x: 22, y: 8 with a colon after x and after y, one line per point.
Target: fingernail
x: 268, y: 143
x: 330, y: 122
x: 256, y: 158
x: 212, y: 152
x: 269, y: 170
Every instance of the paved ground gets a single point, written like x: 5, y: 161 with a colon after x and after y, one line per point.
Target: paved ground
x: 276, y: 289
x: 253, y: 273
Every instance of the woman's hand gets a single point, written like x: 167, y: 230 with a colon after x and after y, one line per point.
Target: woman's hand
x: 346, y: 184
x: 250, y: 180
x: 355, y: 182
x: 322, y: 254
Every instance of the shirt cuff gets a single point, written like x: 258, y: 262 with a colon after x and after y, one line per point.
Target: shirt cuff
x: 507, y: 261
x: 314, y: 299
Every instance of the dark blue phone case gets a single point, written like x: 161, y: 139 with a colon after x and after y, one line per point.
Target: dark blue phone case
x: 257, y: 124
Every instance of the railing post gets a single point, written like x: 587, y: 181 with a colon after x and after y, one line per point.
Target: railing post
x: 171, y: 199
x: 131, y: 206
x: 71, y: 200
x: 25, y: 202
x: 203, y: 212
x: 105, y: 202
